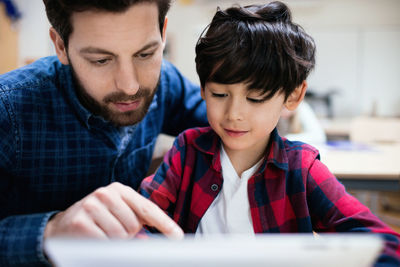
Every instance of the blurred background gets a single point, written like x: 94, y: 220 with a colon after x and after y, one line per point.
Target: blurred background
x: 354, y: 91
x: 358, y: 41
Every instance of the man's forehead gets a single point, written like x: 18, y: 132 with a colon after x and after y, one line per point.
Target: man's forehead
x: 138, y: 14
x: 134, y: 28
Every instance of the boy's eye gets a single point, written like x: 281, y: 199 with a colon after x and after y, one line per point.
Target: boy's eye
x: 254, y: 100
x: 219, y: 95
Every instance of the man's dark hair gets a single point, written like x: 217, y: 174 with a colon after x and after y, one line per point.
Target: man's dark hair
x: 258, y: 45
x: 59, y: 11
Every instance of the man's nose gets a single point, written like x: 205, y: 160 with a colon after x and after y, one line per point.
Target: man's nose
x: 126, y: 79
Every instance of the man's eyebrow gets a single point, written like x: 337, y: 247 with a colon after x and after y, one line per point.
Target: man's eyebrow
x: 148, y: 46
x: 96, y: 50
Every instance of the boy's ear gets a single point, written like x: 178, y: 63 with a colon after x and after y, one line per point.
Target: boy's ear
x: 296, y: 96
x: 59, y: 46
x: 202, y: 93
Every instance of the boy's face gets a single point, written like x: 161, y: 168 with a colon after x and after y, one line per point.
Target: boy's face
x: 240, y: 117
x: 116, y: 59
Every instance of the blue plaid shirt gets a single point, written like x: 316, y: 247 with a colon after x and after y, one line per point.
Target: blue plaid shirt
x: 53, y: 151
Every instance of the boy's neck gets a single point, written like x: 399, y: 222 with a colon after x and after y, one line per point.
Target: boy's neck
x: 244, y: 160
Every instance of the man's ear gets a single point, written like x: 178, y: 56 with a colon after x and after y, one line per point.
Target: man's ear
x: 59, y: 46
x: 164, y: 31
x: 296, y: 96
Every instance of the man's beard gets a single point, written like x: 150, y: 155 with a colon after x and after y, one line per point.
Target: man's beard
x: 118, y: 119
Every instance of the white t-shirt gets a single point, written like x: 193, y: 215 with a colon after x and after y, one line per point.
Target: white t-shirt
x: 230, y: 210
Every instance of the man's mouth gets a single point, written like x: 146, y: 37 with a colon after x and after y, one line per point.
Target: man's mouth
x: 127, y: 106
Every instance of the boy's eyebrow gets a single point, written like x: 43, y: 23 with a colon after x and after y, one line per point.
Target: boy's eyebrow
x: 97, y: 50
x: 266, y: 95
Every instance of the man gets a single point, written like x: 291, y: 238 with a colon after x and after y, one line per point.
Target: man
x: 78, y: 130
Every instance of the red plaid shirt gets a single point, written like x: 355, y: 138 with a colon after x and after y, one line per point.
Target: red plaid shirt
x: 291, y: 192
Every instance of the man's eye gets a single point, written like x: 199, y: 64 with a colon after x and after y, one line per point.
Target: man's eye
x: 145, y: 55
x: 218, y: 95
x: 254, y: 100
x: 100, y: 62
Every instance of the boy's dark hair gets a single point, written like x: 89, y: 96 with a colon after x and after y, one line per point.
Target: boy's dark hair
x: 258, y: 45
x: 59, y: 11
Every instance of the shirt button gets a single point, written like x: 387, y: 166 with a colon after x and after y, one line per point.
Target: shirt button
x: 214, y: 187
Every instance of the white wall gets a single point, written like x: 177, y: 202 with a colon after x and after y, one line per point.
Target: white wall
x: 358, y: 45
x: 34, y: 41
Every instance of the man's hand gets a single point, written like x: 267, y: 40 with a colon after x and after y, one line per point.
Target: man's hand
x: 114, y: 211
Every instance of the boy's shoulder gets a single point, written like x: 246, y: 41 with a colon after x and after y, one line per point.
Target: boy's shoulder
x: 202, y: 138
x: 299, y: 151
x: 192, y: 134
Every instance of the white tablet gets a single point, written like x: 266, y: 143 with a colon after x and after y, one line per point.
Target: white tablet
x: 344, y: 250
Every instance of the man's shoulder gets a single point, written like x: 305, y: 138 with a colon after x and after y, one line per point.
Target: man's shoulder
x: 169, y: 74
x: 172, y: 77
x: 168, y: 68
x: 40, y: 73
x: 27, y: 90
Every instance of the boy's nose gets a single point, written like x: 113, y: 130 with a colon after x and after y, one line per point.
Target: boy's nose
x: 235, y: 112
x: 126, y: 79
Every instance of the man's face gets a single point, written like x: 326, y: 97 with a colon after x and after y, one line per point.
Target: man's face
x: 116, y: 59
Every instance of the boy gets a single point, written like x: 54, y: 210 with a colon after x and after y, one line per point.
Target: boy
x: 240, y: 176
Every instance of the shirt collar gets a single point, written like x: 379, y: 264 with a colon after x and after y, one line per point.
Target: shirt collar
x: 277, y: 153
x: 209, y: 143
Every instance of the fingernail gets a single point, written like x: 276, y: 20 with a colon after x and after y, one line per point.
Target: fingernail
x: 177, y: 233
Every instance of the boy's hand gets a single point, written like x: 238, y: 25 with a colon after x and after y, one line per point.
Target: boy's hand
x: 114, y: 211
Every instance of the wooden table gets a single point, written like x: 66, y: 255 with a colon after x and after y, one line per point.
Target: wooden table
x: 370, y: 170
x: 370, y: 167
x: 337, y: 129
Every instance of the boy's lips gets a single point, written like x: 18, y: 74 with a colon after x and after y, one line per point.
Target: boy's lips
x: 127, y: 106
x: 235, y: 133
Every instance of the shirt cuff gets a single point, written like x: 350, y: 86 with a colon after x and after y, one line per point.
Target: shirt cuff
x: 21, y: 240
x: 40, y: 247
